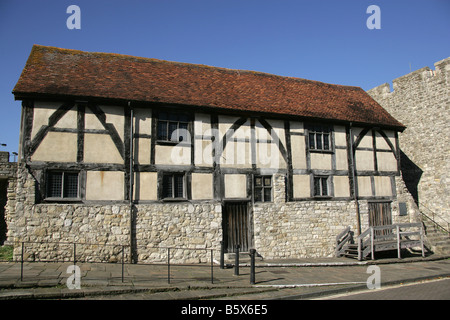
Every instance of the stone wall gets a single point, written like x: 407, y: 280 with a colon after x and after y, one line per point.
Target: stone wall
x: 297, y: 229
x: 100, y: 230
x: 421, y: 101
x: 187, y: 228
x: 302, y: 229
x: 7, y: 185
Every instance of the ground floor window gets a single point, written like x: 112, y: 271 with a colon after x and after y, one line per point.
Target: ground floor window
x: 62, y: 185
x: 173, y: 186
x: 263, y: 188
x: 321, y: 186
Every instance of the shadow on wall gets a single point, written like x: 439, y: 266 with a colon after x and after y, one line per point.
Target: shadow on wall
x: 3, y: 200
x: 411, y: 175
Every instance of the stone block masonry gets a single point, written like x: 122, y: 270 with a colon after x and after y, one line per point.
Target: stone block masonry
x: 7, y: 184
x: 101, y: 230
x: 280, y: 229
x: 421, y: 101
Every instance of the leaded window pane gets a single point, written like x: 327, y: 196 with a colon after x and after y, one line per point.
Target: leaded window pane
x: 55, y: 184
x: 318, y: 141
x: 324, y: 187
x: 317, y: 186
x: 312, y: 144
x: 70, y: 185
x: 173, y: 126
x: 162, y: 130
x: 267, y: 194
x: 258, y: 194
x: 326, y: 142
x: 182, y: 131
x: 167, y: 186
x: 178, y: 186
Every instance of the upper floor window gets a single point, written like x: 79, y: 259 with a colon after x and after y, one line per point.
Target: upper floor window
x: 319, y: 137
x: 263, y: 188
x: 62, y: 185
x: 172, y: 127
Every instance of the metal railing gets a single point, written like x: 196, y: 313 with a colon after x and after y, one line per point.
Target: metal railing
x: 30, y: 251
x: 433, y: 217
x: 73, y: 253
x: 76, y: 256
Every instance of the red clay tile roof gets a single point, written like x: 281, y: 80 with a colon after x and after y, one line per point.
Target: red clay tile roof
x: 55, y: 71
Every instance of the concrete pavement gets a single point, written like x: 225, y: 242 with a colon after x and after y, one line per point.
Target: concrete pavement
x: 287, y: 279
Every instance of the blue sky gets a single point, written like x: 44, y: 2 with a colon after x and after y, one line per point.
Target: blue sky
x: 319, y: 40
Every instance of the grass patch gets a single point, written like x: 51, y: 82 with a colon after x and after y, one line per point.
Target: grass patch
x: 6, y: 253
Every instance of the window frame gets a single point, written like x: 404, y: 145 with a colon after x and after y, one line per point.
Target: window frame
x: 166, y: 118
x: 63, y: 186
x: 172, y: 176
x: 322, y: 130
x: 261, y: 189
x: 322, y: 179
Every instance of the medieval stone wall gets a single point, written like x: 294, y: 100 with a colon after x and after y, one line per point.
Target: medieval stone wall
x: 296, y: 229
x: 7, y: 184
x: 421, y: 101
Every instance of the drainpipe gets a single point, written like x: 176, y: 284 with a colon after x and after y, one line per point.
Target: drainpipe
x: 131, y: 183
x: 355, y: 183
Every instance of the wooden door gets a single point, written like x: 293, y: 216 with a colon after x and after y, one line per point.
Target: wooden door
x: 236, y: 226
x: 380, y: 215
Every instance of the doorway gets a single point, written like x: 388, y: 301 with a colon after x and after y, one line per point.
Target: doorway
x: 236, y: 226
x: 380, y: 215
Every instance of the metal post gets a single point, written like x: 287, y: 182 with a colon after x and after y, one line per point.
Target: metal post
x: 168, y: 265
x: 222, y: 253
x: 74, y: 253
x: 236, y: 261
x: 252, y: 266
x: 212, y: 268
x: 21, y: 265
x: 123, y: 257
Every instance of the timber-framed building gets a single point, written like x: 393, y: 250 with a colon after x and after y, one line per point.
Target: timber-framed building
x: 146, y: 153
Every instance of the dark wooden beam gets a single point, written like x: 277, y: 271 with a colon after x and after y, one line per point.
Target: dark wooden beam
x: 80, y: 131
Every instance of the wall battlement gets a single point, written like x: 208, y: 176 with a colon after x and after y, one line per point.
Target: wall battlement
x: 418, y: 77
x: 421, y: 101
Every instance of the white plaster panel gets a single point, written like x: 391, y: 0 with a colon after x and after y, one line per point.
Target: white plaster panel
x: 58, y: 147
x: 341, y: 186
x: 202, y: 186
x: 99, y: 148
x: 104, y: 185
x: 235, y: 186
x: 302, y: 186
x: 146, y: 186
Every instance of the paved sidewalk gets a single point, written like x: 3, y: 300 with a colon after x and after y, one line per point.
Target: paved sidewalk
x: 274, y: 279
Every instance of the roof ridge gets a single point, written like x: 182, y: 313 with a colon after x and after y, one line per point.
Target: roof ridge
x: 188, y: 64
